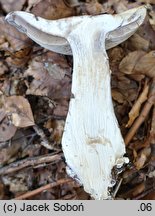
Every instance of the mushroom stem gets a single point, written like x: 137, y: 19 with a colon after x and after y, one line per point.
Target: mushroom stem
x: 91, y: 131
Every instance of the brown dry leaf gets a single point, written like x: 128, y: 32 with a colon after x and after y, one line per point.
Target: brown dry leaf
x: 2, y: 191
x: 128, y: 63
x: 147, y: 32
x: 50, y: 77
x: 15, y: 44
x: 152, y: 17
x: 19, y: 109
x: 115, y: 55
x: 19, y: 58
x: 142, y: 158
x: 2, y: 114
x: 16, y: 40
x: 120, y: 6
x: 3, y: 68
x: 32, y: 3
x: 150, y: 196
x: 146, y: 65
x: 10, y: 151
x: 7, y: 129
x: 134, y: 113
x: 61, y: 108
x: 12, y: 5
x: 138, y: 189
x: 137, y: 77
x: 94, y: 7
x: 56, y: 128
x: 52, y: 9
x: 21, y: 182
x: 127, y: 87
x: 10, y: 86
x: 136, y: 42
x: 117, y: 96
x: 72, y: 3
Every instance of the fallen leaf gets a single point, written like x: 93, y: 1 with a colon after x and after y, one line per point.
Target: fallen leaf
x: 152, y: 17
x: 117, y: 96
x: 21, y: 182
x: 61, y: 108
x: 138, y: 189
x: 128, y: 63
x: 72, y: 3
x: 136, y: 42
x: 56, y: 128
x: 146, y: 65
x: 10, y: 151
x: 142, y: 158
x: 32, y: 3
x: 52, y: 9
x: 17, y: 46
x: 11, y: 5
x: 115, y: 54
x: 49, y: 78
x: 150, y: 196
x: 2, y: 114
x: 7, y: 130
x: 120, y: 6
x: 3, y: 68
x: 147, y: 32
x: 2, y: 191
x: 16, y: 40
x: 94, y: 7
x: 19, y: 109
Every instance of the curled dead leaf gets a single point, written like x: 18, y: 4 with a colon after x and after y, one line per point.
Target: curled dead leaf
x: 117, y: 96
x: 128, y: 63
x: 10, y: 151
x: 11, y: 5
x: 142, y: 158
x: 16, y: 40
x: 56, y: 128
x: 137, y: 42
x: 138, y: 189
x: 49, y: 78
x: 19, y: 110
x: 17, y: 46
x: 31, y: 4
x: 3, y: 68
x: 146, y: 64
x: 52, y: 9
x: 7, y: 130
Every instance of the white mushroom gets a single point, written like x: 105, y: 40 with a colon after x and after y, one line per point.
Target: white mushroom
x: 92, y: 142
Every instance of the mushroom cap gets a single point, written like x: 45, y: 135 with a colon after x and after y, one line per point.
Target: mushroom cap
x: 52, y: 34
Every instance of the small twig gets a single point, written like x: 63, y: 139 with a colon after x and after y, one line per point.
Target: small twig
x: 43, y: 188
x: 145, y: 111
x: 44, y: 141
x: 117, y: 188
x: 32, y: 161
x: 134, y: 112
